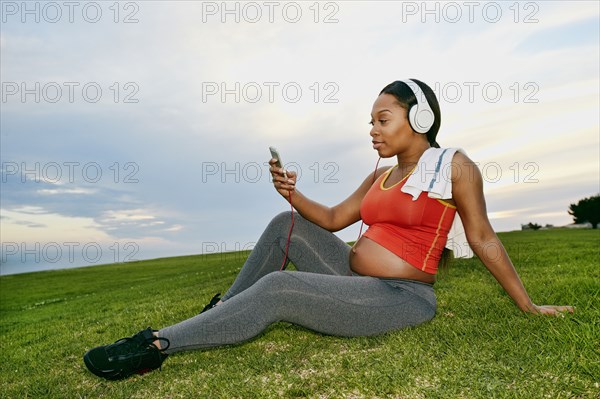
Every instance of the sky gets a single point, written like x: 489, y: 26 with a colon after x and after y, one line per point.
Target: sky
x: 140, y: 129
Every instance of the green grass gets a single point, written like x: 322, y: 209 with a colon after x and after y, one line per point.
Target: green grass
x: 479, y: 345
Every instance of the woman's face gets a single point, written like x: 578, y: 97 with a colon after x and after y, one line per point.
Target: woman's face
x: 391, y: 131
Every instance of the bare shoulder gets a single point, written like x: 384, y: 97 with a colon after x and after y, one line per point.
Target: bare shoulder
x: 464, y: 170
x: 461, y: 158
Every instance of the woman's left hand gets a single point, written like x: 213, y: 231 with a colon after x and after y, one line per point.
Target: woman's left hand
x: 551, y: 310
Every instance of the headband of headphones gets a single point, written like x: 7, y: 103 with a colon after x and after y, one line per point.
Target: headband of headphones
x: 420, y: 115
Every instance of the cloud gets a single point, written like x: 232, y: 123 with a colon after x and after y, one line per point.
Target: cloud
x: 132, y: 223
x: 76, y: 191
x: 29, y: 224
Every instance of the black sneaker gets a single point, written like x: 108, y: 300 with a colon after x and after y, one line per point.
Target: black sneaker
x: 213, y: 302
x: 127, y: 356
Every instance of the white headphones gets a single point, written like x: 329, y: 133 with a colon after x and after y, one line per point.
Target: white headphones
x: 420, y: 115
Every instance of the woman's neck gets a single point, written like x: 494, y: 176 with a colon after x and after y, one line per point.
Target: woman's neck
x: 408, y: 159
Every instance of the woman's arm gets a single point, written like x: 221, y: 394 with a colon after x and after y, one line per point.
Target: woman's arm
x: 330, y: 218
x: 467, y: 192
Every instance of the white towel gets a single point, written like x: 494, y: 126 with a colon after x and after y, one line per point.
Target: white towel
x: 433, y: 174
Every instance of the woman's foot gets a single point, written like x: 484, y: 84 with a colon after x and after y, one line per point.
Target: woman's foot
x: 135, y: 355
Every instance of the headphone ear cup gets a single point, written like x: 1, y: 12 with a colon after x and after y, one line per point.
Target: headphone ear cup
x: 420, y: 120
x: 420, y: 116
x: 424, y: 119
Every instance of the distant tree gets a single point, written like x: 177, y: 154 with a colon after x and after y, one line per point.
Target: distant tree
x: 534, y: 226
x: 586, y: 210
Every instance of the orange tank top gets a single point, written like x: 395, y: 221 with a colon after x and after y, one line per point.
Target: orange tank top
x: 416, y: 231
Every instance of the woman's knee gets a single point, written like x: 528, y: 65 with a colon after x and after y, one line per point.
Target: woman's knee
x: 282, y: 223
x: 274, y: 281
x: 282, y: 219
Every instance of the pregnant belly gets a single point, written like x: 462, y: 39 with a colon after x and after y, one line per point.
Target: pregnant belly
x: 371, y: 259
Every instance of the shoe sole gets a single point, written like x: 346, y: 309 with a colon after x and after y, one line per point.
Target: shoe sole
x: 108, y: 374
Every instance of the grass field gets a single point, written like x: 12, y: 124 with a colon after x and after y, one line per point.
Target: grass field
x: 479, y: 345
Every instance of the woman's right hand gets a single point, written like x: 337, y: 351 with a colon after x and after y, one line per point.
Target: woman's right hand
x: 284, y: 186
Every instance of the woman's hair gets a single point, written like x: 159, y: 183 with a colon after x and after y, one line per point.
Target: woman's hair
x: 406, y: 98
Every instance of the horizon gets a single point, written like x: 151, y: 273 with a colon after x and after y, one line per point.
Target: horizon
x: 34, y: 267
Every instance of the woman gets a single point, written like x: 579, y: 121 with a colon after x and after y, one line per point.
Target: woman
x: 384, y: 282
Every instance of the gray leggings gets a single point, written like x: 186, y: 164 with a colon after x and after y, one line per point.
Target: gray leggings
x: 323, y: 295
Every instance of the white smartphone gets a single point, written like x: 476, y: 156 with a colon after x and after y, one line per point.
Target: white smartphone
x: 279, y: 164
